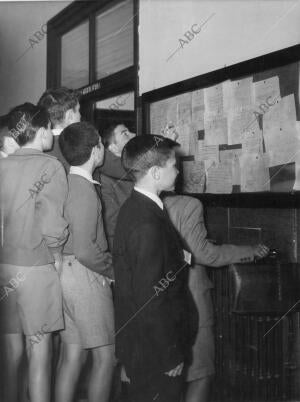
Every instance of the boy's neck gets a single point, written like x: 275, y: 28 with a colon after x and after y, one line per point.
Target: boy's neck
x: 147, y: 187
x: 88, y: 167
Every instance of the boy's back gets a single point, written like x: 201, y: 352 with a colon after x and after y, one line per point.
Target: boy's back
x: 33, y: 191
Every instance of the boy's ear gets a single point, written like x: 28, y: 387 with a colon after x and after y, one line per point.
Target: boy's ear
x: 69, y: 116
x: 155, y: 172
x: 112, y: 148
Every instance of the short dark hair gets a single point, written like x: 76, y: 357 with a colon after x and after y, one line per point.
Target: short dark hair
x: 58, y: 102
x: 145, y: 151
x: 108, y: 134
x: 25, y: 120
x: 77, y: 141
x: 4, y: 132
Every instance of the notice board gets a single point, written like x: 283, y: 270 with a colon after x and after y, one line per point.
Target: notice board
x: 239, y: 134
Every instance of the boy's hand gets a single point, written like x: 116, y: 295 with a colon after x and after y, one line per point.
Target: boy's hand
x: 176, y: 371
x: 170, y: 132
x: 260, y: 251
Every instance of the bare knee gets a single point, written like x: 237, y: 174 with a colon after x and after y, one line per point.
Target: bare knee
x: 104, y: 356
x: 72, y: 354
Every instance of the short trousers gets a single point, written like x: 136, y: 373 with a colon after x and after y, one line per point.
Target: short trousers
x: 30, y: 300
x: 88, y: 306
x: 203, y: 355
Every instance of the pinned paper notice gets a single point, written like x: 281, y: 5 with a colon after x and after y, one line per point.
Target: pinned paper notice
x: 215, y: 129
x: 254, y: 173
x: 219, y: 177
x: 193, y: 177
x: 205, y: 152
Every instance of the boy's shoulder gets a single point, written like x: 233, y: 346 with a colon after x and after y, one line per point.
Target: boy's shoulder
x: 80, y: 189
x: 181, y: 202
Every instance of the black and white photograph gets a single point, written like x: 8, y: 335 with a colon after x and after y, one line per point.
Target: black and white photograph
x: 149, y: 196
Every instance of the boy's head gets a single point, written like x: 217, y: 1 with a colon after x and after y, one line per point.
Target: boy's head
x: 81, y: 143
x: 115, y: 137
x: 62, y: 105
x: 30, y: 125
x: 151, y: 159
x: 8, y: 144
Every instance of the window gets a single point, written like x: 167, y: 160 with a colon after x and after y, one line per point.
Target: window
x: 75, y: 57
x: 114, y: 39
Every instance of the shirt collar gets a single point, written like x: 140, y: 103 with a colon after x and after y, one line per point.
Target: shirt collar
x: 152, y: 196
x: 83, y: 173
x: 56, y: 131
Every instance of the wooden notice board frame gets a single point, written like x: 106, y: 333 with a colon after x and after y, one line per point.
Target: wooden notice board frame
x: 260, y: 68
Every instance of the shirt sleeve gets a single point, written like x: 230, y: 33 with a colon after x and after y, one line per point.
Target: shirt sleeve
x: 50, y: 201
x: 194, y: 233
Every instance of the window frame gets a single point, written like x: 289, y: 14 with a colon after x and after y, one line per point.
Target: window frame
x: 111, y: 85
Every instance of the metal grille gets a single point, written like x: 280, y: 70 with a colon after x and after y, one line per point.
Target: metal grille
x: 249, y: 365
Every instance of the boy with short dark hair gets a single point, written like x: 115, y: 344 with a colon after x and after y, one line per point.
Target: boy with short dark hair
x: 63, y: 107
x: 33, y: 192
x: 151, y: 295
x: 88, y: 307
x: 116, y: 186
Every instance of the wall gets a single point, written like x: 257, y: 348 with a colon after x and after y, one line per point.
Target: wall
x: 237, y: 30
x: 23, y: 63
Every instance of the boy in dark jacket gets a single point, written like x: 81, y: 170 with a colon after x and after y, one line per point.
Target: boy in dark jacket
x: 116, y: 185
x: 151, y: 277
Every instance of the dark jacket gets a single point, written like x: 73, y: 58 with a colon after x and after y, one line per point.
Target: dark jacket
x: 55, y: 151
x: 116, y: 187
x: 151, y: 319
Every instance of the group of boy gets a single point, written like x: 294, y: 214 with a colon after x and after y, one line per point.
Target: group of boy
x: 68, y: 255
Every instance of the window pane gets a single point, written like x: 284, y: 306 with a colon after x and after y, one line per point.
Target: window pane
x: 114, y: 39
x: 119, y: 102
x: 75, y: 57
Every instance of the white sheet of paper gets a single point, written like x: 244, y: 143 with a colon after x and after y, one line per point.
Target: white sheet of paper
x: 184, y: 108
x: 266, y: 91
x: 193, y: 176
x: 252, y: 140
x: 213, y: 99
x: 238, y: 122
x: 281, y: 113
x: 241, y: 94
x: 205, y: 152
x: 215, y: 129
x: 162, y: 113
x: 254, y: 173
x: 184, y: 138
x: 218, y: 177
x: 282, y: 144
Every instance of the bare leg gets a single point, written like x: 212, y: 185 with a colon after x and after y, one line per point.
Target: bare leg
x: 12, y: 351
x: 101, y: 373
x: 198, y: 390
x: 68, y: 372
x: 39, y: 373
